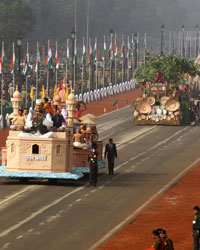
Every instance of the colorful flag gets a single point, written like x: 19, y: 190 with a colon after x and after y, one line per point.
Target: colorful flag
x: 84, y: 53
x: 27, y: 62
x: 67, y: 52
x: 43, y: 91
x: 104, y: 50
x: 96, y: 51
x: 56, y: 56
x: 122, y: 48
x: 2, y: 59
x: 54, y: 92
x: 115, y: 50
x: 60, y: 85
x: 75, y: 52
x: 32, y: 92
x: 90, y: 54
x: 13, y: 60
x: 115, y: 102
x: 67, y: 92
x: 128, y: 49
x: 111, y: 50
x: 49, y: 58
x: 37, y: 65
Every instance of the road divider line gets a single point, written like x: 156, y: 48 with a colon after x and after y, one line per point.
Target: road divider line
x: 38, y: 212
x: 15, y: 195
x: 132, y: 216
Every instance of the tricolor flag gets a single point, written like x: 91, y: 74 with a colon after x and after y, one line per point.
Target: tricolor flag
x: 122, y: 48
x: 27, y: 62
x: 56, y: 56
x: 13, y: 60
x: 111, y: 50
x: 37, y: 65
x: 67, y: 52
x: 104, y: 50
x: 2, y: 59
x: 96, y: 51
x: 84, y: 53
x: 75, y: 52
x: 90, y: 54
x: 115, y: 50
x: 49, y: 58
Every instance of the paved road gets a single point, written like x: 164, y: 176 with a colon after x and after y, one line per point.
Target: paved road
x: 74, y: 216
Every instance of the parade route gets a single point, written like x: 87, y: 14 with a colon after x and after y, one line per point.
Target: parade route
x: 149, y: 159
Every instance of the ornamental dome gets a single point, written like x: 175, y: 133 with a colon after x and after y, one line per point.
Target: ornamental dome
x: 71, y: 97
x: 16, y: 93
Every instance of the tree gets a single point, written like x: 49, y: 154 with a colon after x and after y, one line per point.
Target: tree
x: 15, y: 17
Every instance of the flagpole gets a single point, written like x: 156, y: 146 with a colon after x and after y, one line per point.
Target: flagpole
x: 56, y: 65
x: 67, y: 60
x: 115, y: 60
x: 2, y: 52
x: 27, y: 61
x: 128, y: 60
x: 14, y: 68
x: 48, y: 72
x: 37, y: 72
x: 96, y: 63
x: 74, y: 83
x: 145, y: 46
x: 122, y: 55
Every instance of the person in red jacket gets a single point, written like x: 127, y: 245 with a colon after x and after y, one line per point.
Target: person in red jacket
x: 158, y: 78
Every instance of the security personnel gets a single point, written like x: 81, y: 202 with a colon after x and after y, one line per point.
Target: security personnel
x: 93, y: 167
x: 111, y: 154
x: 196, y: 227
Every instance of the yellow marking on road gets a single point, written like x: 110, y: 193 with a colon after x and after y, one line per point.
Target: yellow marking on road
x: 15, y: 195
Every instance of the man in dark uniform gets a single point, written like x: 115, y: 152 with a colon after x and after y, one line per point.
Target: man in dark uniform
x: 196, y: 227
x: 111, y: 154
x: 93, y: 167
x: 168, y: 243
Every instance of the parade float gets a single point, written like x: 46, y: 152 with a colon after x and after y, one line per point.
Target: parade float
x: 166, y: 91
x: 52, y: 155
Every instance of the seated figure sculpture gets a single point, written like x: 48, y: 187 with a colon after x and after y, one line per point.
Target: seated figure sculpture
x: 19, y: 122
x: 37, y: 123
x: 78, y: 140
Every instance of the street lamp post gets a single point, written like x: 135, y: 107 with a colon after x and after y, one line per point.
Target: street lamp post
x: 136, y: 55
x: 197, y: 40
x: 183, y: 43
x: 73, y: 35
x: 19, y: 45
x: 162, y: 36
x: 111, y: 52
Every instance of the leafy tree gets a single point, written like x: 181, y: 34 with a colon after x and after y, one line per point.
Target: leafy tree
x: 171, y: 68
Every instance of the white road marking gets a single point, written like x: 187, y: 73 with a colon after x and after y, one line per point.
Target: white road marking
x: 18, y: 193
x: 19, y: 237
x: 31, y: 230
x: 144, y: 205
x: 78, y: 200
x: 33, y: 215
x: 40, y: 211
x: 5, y: 246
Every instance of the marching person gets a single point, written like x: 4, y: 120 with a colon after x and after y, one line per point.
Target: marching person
x: 93, y: 158
x: 196, y: 227
x: 111, y: 154
x: 192, y: 109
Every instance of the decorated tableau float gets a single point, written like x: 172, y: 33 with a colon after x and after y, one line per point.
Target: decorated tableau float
x: 166, y: 91
x: 35, y: 148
